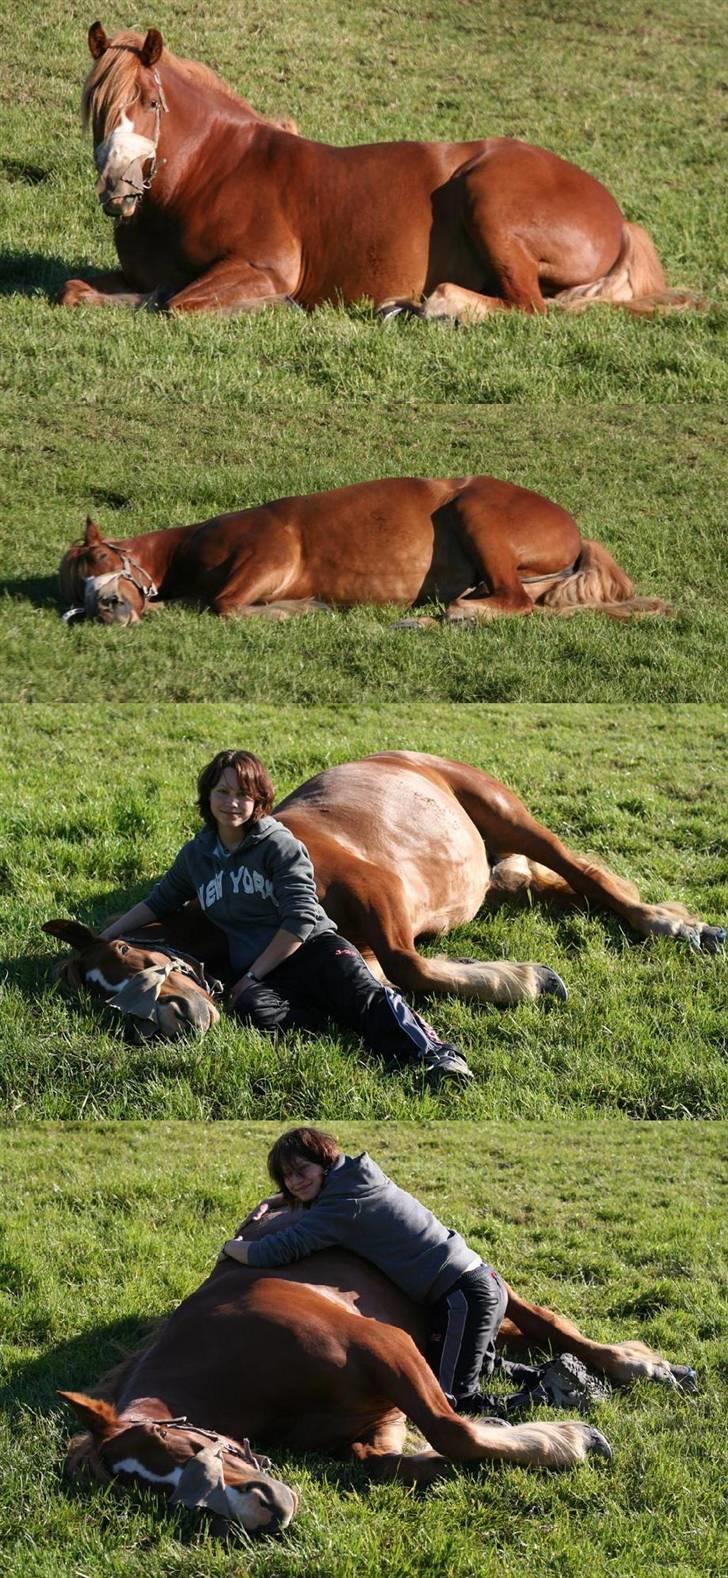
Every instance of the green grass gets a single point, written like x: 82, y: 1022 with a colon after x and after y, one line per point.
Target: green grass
x: 632, y: 93
x: 620, y: 1227
x: 102, y: 798
x: 649, y: 483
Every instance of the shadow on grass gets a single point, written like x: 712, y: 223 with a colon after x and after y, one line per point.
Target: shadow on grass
x: 41, y: 591
x: 40, y: 273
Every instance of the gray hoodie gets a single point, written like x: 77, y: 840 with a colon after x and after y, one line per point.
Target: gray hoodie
x: 249, y: 892
x: 361, y: 1209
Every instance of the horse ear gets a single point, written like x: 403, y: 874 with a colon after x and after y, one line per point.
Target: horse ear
x: 97, y: 40
x: 92, y: 533
x: 73, y: 932
x: 98, y: 1417
x: 152, y: 47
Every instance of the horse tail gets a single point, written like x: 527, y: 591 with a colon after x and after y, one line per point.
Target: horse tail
x: 599, y: 582
x: 636, y: 281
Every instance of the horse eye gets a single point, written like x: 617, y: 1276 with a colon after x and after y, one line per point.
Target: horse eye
x: 122, y: 948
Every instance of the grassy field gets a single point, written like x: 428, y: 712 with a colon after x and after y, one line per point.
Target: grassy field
x: 620, y: 1227
x: 632, y: 93
x: 649, y: 483
x: 101, y: 801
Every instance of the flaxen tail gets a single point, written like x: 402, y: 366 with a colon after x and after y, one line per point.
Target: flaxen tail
x: 636, y: 281
x: 598, y: 582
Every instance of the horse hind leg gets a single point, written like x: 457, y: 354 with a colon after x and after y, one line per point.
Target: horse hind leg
x: 380, y: 923
x: 622, y: 1362
x: 398, y: 1372
x: 507, y: 829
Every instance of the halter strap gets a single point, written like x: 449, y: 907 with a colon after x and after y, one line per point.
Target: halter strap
x: 233, y: 1448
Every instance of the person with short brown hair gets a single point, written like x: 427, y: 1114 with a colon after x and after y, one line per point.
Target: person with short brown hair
x: 293, y: 970
x: 350, y: 1202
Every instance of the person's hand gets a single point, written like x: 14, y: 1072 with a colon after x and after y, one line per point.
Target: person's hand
x: 241, y: 987
x: 235, y: 1249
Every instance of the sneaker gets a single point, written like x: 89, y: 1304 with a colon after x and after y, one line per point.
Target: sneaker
x: 444, y: 1062
x: 567, y: 1383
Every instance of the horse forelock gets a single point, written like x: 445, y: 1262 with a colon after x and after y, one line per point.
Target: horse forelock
x: 112, y: 83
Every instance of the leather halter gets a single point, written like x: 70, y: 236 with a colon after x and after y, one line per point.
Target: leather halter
x: 129, y: 569
x: 232, y: 1448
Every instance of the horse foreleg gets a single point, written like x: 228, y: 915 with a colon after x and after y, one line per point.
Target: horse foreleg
x: 621, y: 1361
x: 376, y: 916
x: 232, y: 285
x: 106, y: 290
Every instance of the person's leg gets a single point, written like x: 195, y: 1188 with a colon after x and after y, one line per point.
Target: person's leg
x: 465, y: 1324
x: 340, y: 984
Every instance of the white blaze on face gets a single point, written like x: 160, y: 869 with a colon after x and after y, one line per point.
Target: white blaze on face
x: 131, y: 1465
x: 123, y: 148
x: 99, y: 979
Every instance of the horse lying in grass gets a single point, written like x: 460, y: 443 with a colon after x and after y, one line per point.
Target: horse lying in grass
x: 482, y: 547
x: 403, y: 845
x: 217, y: 209
x: 325, y: 1355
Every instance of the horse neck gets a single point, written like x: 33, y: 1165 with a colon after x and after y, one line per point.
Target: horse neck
x: 195, y: 107
x: 154, y: 551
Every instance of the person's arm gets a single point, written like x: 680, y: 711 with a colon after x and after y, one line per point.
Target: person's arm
x: 294, y: 890
x: 317, y: 1229
x: 280, y: 947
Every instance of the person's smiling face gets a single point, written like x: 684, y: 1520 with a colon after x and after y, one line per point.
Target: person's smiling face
x: 231, y: 807
x: 304, y: 1179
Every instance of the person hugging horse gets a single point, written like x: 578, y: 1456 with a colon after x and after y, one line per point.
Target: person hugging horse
x: 350, y: 1202
x: 254, y: 880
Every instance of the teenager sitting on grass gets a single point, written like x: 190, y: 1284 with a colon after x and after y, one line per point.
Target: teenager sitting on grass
x: 349, y: 1201
x: 255, y: 881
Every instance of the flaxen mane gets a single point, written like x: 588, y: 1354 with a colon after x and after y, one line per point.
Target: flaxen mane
x: 111, y: 84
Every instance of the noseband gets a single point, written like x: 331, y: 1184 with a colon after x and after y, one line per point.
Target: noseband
x: 139, y: 994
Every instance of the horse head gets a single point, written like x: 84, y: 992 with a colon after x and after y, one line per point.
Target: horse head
x: 200, y: 1468
x: 124, y: 99
x: 100, y: 581
x: 163, y: 994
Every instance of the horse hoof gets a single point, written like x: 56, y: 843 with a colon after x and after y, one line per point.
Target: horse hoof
x: 551, y: 983
x: 396, y: 309
x: 599, y: 1445
x: 685, y: 1377
x: 710, y: 939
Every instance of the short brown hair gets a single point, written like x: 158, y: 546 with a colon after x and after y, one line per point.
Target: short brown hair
x: 312, y: 1144
x: 253, y: 778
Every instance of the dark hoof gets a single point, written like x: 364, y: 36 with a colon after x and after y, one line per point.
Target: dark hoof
x: 551, y: 983
x: 396, y: 309
x: 599, y: 1445
x: 712, y: 939
x: 685, y: 1377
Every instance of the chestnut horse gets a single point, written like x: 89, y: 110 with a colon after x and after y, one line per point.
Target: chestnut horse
x: 405, y: 844
x: 218, y: 209
x: 325, y: 1355
x: 480, y: 546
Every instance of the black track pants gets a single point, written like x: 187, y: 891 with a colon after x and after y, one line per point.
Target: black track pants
x: 465, y: 1323
x: 327, y: 979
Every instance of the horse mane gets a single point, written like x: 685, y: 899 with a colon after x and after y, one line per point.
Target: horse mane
x: 112, y: 81
x: 82, y: 1458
